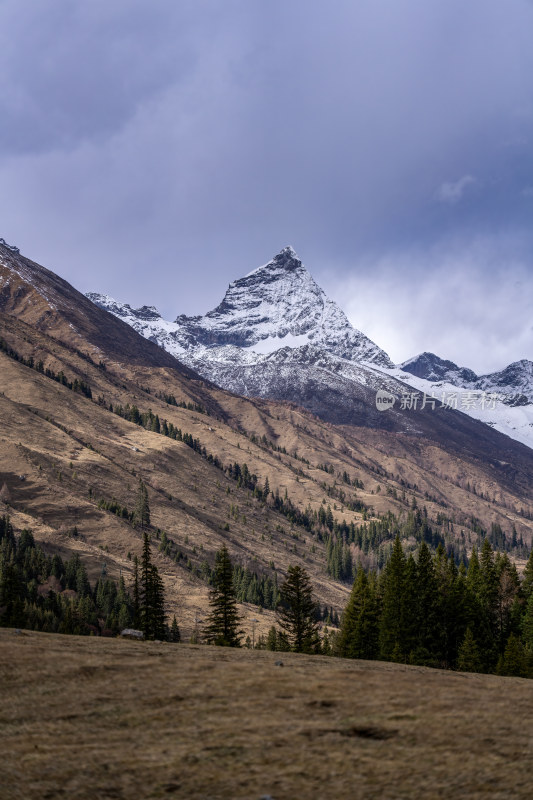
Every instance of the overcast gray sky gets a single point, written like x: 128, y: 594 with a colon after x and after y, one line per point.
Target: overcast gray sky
x: 158, y: 150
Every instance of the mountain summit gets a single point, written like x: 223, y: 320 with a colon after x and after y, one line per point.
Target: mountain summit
x: 277, y: 335
x: 516, y: 380
x: 277, y: 305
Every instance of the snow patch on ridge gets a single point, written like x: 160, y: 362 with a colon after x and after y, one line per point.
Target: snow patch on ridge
x: 513, y: 421
x: 276, y: 325
x: 272, y: 343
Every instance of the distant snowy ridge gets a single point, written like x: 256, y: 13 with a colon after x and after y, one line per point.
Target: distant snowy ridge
x: 482, y: 402
x: 515, y: 382
x: 276, y: 334
x: 9, y: 246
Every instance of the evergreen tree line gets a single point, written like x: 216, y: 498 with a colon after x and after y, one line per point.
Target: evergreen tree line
x: 428, y: 611
x: 116, y: 508
x: 33, y: 590
x: 373, y: 536
x: 139, y: 517
x: 376, y: 538
x: 77, y: 385
x: 296, y: 611
x: 264, y: 442
x: 170, y: 400
x: 25, y: 569
x: 260, y: 590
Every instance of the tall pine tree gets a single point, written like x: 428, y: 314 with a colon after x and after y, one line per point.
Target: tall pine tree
x: 223, y: 620
x: 359, y: 633
x: 141, y: 514
x: 429, y: 639
x: 151, y: 596
x: 296, y: 612
x: 392, y: 632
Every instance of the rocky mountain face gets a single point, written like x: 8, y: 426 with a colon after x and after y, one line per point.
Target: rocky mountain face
x: 515, y: 382
x: 69, y: 458
x: 276, y: 306
x: 432, y: 368
x: 276, y: 335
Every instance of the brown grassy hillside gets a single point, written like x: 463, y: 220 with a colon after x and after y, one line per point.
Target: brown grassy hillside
x: 61, y: 453
x: 90, y: 718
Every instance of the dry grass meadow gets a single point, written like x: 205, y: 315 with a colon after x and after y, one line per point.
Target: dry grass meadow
x: 91, y: 719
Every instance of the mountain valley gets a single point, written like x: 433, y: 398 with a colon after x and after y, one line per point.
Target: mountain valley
x: 69, y: 461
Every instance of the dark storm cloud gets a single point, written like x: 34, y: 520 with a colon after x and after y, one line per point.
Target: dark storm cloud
x: 157, y: 151
x: 76, y: 71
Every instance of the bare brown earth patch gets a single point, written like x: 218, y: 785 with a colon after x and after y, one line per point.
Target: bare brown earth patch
x: 62, y: 454
x: 91, y: 718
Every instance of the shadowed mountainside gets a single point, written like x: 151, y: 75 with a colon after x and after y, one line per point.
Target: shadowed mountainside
x: 64, y: 457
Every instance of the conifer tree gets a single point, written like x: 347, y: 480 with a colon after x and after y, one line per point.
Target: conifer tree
x: 11, y: 595
x: 5, y: 496
x: 468, y: 659
x: 392, y: 633
x: 272, y: 639
x: 151, y: 596
x: 223, y: 620
x: 411, y: 620
x: 513, y: 661
x: 527, y: 625
x: 508, y: 605
x: 489, y: 579
x: 283, y: 644
x: 428, y: 618
x: 326, y: 648
x: 527, y: 582
x: 481, y: 585
x: 141, y: 514
x: 136, y: 594
x: 174, y: 634
x: 454, y: 609
x: 359, y: 633
x: 474, y: 573
x: 297, y: 611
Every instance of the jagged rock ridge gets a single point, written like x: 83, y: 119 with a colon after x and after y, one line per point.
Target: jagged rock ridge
x: 515, y: 381
x: 277, y: 305
x: 276, y: 335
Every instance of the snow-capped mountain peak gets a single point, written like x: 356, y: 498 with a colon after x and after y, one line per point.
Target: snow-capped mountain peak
x: 432, y: 368
x: 287, y: 258
x: 515, y: 381
x: 276, y: 305
x: 276, y: 334
x: 278, y: 300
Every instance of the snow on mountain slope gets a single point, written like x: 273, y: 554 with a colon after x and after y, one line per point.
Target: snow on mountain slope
x: 516, y: 380
x: 277, y: 335
x: 146, y: 320
x: 433, y: 368
x: 490, y: 403
x: 274, y: 306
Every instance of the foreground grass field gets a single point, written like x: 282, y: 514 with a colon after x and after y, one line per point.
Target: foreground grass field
x: 103, y: 718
